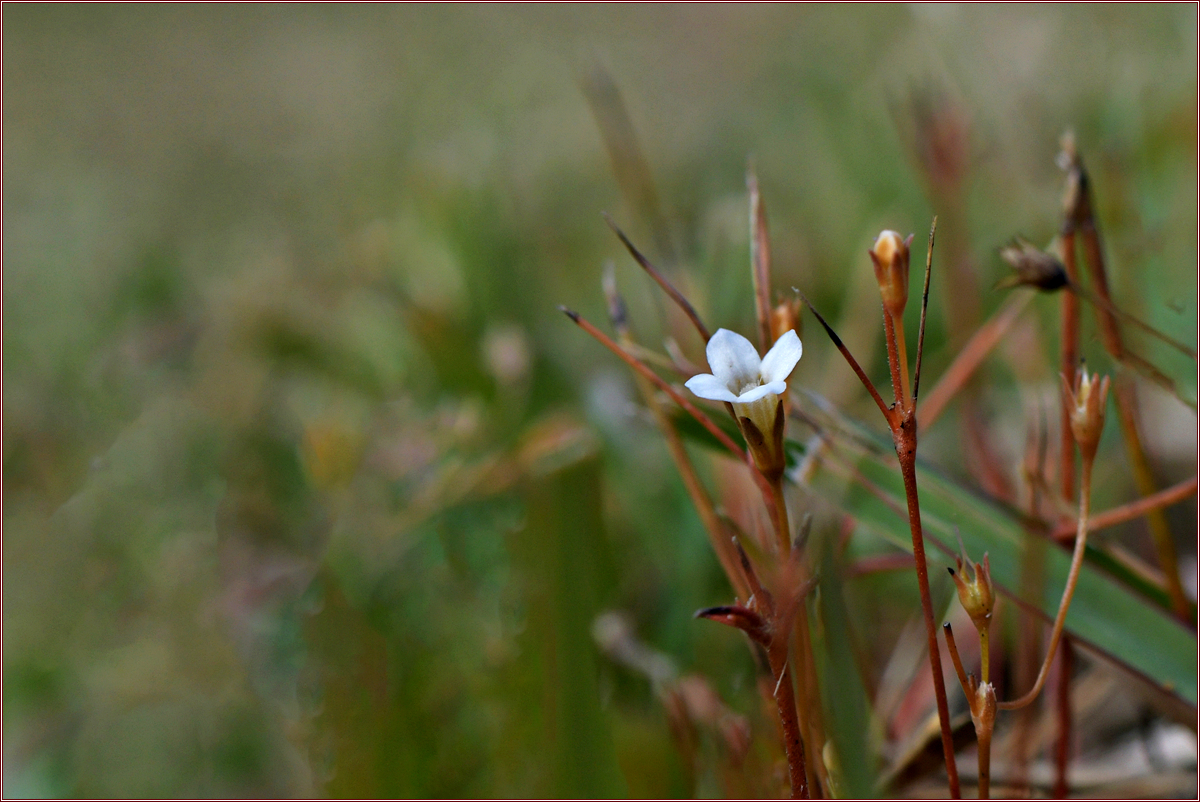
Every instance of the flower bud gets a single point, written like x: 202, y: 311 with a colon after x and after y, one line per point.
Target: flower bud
x: 784, y: 318
x: 1086, y: 403
x: 975, y: 594
x: 890, y: 257
x: 1034, y: 267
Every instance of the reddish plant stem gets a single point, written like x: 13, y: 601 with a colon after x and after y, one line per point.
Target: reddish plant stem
x: 1069, y: 358
x: 806, y: 682
x: 779, y: 512
x: 971, y: 357
x: 905, y: 436
x: 1144, y: 479
x: 1126, y: 401
x: 656, y: 274
x: 1110, y: 331
x: 793, y: 743
x: 903, y: 422
x: 1062, y: 750
x: 1064, y: 604
x: 889, y: 331
x: 637, y: 365
x: 1134, y: 509
x: 760, y: 261
x: 850, y: 360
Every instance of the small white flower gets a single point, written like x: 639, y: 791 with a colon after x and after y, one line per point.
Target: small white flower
x: 753, y: 386
x: 738, y: 375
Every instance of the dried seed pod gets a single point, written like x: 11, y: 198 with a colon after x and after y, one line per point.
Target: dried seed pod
x: 1086, y: 402
x: 1034, y: 267
x: 975, y: 594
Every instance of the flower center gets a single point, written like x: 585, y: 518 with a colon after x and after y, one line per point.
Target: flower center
x: 750, y: 386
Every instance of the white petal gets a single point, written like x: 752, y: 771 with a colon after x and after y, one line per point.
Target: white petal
x: 779, y: 362
x: 762, y: 391
x: 704, y: 385
x: 732, y: 359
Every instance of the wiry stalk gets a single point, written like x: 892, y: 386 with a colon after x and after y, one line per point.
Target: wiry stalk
x: 1068, y: 359
x: 1134, y: 509
x: 901, y: 418
x: 718, y: 536
x: 1110, y: 331
x: 905, y: 437
x: 971, y: 357
x: 1062, y: 749
x: 1081, y: 533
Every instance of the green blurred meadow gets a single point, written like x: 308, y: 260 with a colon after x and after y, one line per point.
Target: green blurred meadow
x: 309, y: 489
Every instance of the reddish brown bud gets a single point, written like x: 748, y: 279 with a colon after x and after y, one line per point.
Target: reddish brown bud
x: 890, y: 257
x: 785, y: 317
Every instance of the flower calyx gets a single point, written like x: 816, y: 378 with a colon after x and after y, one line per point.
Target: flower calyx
x: 1086, y: 403
x: 890, y: 257
x: 755, y: 388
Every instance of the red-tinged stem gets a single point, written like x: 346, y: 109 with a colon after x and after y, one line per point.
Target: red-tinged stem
x: 952, y: 646
x: 985, y: 338
x: 1068, y: 359
x: 1134, y: 509
x: 785, y: 699
x: 1085, y: 499
x: 760, y: 261
x: 858, y: 371
x: 657, y: 275
x: 1062, y: 750
x: 637, y: 365
x: 924, y: 311
x: 780, y: 514
x: 983, y: 735
x: 902, y: 420
x: 889, y: 330
x: 905, y: 437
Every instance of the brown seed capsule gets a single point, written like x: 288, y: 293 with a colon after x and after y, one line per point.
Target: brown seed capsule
x: 1086, y: 403
x: 975, y: 594
x: 890, y: 257
x: 1034, y: 267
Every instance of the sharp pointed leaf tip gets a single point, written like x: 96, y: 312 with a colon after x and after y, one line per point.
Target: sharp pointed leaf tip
x: 569, y: 313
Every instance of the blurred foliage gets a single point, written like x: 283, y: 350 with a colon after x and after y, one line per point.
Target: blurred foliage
x: 308, y: 489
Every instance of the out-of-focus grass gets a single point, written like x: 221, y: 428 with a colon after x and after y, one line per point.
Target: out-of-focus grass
x: 299, y: 492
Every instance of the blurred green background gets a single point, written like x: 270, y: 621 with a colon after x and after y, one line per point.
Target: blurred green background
x: 309, y: 490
